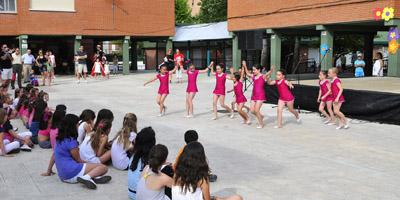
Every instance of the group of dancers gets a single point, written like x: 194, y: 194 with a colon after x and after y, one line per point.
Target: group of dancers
x: 330, y: 95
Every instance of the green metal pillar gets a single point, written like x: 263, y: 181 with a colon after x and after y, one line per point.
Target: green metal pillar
x: 326, y: 41
x: 23, y: 43
x: 236, y: 52
x: 77, y: 43
x: 125, y: 55
x: 276, y: 46
x: 394, y: 59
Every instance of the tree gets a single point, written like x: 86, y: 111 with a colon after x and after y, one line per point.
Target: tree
x: 182, y: 12
x: 213, y: 11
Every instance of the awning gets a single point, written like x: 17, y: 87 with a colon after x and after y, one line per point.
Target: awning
x: 212, y: 31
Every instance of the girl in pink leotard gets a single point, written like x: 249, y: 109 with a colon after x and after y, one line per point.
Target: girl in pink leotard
x: 163, y: 90
x: 258, y: 95
x: 219, y: 91
x: 285, y: 96
x: 325, y: 97
x: 191, y: 90
x: 338, y: 98
x: 240, y: 99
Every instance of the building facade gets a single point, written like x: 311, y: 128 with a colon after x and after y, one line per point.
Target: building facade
x: 72, y: 22
x: 324, y: 19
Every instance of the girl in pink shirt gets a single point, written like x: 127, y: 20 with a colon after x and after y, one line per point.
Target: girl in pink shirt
x: 191, y: 89
x: 325, y: 97
x: 338, y: 98
x: 258, y: 95
x: 163, y: 90
x: 240, y: 99
x: 219, y: 91
x: 285, y: 96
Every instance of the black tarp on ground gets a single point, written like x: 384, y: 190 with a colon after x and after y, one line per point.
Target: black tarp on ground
x: 372, y: 106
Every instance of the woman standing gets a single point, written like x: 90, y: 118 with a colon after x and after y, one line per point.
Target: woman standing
x: 378, y: 65
x: 42, y: 62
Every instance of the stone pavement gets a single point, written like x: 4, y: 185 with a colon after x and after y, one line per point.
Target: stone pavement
x: 307, y: 161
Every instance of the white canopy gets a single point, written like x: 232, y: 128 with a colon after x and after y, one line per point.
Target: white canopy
x: 212, y: 31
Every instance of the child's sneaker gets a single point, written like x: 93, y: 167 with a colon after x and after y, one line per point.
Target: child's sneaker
x: 102, y: 179
x: 87, y: 181
x: 26, y: 148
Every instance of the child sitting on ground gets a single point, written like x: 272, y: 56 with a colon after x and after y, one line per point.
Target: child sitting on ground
x: 122, y: 143
x: 70, y: 167
x: 95, y: 147
x: 192, y: 136
x: 85, y: 124
x: 9, y: 139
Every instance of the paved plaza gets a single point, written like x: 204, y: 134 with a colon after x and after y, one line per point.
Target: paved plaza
x: 307, y: 161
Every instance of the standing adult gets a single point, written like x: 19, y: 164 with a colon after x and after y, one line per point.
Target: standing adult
x: 42, y: 62
x: 169, y: 62
x: 52, y: 62
x: 81, y: 71
x: 27, y: 61
x: 377, y: 70
x: 359, y: 65
x: 17, y: 68
x: 6, y: 64
x: 179, y: 58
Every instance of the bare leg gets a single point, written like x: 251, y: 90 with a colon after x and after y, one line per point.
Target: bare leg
x: 162, y: 105
x: 322, y: 110
x: 215, y: 101
x: 281, y: 105
x: 95, y: 170
x: 292, y: 110
x: 222, y: 103
x: 158, y: 99
x: 105, y: 157
x: 330, y: 111
x: 242, y: 113
x: 191, y: 97
x: 187, y: 104
x: 342, y: 118
x: 257, y: 113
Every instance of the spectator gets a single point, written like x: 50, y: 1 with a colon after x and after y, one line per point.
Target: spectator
x: 81, y: 70
x: 6, y: 64
x: 179, y: 59
x: 359, y: 66
x: 191, y: 175
x: 377, y: 70
x: 144, y: 141
x: 27, y: 61
x: 17, y: 68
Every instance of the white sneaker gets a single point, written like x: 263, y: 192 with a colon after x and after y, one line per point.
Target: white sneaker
x: 277, y: 127
x: 298, y: 120
x: 25, y: 148
x: 214, y: 118
x: 160, y: 115
x: 260, y: 126
x: 232, y: 116
x: 331, y: 124
x: 339, y: 127
x: 78, y: 81
x: 86, y: 81
x: 346, y: 126
x: 327, y: 122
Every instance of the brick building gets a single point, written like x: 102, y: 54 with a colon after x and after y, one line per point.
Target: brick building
x: 66, y: 24
x: 324, y: 19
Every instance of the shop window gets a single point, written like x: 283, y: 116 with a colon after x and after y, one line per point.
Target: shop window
x: 49, y: 5
x: 8, y: 6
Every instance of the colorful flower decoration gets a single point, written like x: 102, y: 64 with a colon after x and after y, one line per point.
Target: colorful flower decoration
x: 378, y: 14
x: 324, y: 49
x: 393, y: 34
x: 393, y: 46
x: 388, y: 13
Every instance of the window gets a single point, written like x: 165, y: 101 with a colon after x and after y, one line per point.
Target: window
x: 49, y: 5
x: 7, y: 6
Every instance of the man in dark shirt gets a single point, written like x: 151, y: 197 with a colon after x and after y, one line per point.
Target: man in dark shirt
x: 5, y: 64
x: 81, y: 69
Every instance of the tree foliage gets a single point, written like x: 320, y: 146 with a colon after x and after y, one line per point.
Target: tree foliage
x: 212, y: 11
x: 182, y: 12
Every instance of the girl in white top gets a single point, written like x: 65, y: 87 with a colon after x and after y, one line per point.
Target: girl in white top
x: 86, y: 124
x: 95, y: 148
x: 377, y: 70
x: 122, y: 143
x: 152, y: 182
x: 191, y: 176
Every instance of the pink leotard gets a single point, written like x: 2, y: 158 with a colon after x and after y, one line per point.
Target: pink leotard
x: 220, y: 84
x: 24, y: 112
x: 45, y: 132
x: 283, y: 89
x: 53, y: 136
x: 164, y: 84
x: 192, y: 81
x: 258, y: 89
x: 335, y: 90
x: 238, y: 89
x: 323, y: 85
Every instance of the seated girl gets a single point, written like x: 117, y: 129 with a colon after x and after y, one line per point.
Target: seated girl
x: 55, y: 124
x: 191, y: 180
x: 144, y: 141
x: 6, y: 146
x: 122, y: 143
x: 70, y: 167
x: 23, y: 110
x: 85, y: 124
x: 95, y: 146
x: 153, y: 182
x: 44, y: 131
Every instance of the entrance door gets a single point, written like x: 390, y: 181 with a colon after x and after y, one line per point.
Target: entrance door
x: 150, y: 55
